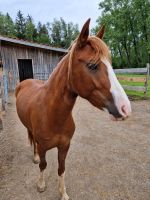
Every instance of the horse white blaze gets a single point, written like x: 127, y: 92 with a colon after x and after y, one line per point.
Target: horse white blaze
x: 120, y: 98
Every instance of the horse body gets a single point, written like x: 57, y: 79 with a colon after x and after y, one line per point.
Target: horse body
x: 45, y: 108
x: 32, y: 95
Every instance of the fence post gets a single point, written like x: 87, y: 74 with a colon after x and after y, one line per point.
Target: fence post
x: 147, y: 78
x: 1, y: 104
x: 2, y: 95
x: 5, y: 83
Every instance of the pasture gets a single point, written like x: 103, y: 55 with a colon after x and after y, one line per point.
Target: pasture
x: 107, y: 160
x: 135, y: 94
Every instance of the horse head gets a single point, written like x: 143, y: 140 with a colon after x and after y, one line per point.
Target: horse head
x: 91, y: 75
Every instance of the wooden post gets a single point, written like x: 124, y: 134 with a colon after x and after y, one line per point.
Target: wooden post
x: 147, y: 78
x: 1, y: 122
x: 5, y: 81
x: 2, y: 95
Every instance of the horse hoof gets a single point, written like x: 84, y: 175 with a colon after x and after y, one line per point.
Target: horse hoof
x: 65, y: 197
x: 41, y: 187
x: 36, y: 159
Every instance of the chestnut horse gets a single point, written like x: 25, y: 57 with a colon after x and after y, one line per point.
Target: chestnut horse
x: 45, y: 108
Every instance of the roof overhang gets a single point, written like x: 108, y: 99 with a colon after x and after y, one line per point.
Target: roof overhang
x: 32, y: 44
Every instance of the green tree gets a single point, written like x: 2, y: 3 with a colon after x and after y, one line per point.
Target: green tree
x: 2, y: 30
x: 42, y: 34
x: 30, y: 29
x: 62, y: 33
x: 20, y: 25
x: 55, y: 32
x: 58, y: 33
x: 127, y: 31
x: 7, y: 26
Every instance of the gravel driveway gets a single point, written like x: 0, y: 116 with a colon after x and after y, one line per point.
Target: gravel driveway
x: 107, y: 160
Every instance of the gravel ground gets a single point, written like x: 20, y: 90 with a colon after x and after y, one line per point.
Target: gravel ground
x: 107, y: 160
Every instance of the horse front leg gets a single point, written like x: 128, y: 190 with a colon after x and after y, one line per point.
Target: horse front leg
x: 62, y: 153
x: 41, y: 182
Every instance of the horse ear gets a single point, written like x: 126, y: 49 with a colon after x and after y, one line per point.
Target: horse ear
x: 100, y: 33
x: 82, y: 39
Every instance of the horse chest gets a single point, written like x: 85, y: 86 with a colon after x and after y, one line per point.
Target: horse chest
x: 54, y: 134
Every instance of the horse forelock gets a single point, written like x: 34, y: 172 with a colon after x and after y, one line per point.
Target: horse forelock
x: 99, y: 46
x: 101, y: 51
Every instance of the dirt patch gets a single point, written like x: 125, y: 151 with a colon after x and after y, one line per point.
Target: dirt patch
x: 107, y: 160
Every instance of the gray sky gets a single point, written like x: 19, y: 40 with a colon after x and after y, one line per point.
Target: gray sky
x: 77, y: 11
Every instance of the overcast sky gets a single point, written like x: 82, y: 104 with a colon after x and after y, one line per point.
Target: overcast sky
x: 76, y: 11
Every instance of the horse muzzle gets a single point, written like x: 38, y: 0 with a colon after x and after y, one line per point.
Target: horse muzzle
x: 121, y: 113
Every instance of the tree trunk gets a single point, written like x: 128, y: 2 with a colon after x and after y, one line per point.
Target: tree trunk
x: 138, y: 59
x: 120, y: 53
x: 124, y: 44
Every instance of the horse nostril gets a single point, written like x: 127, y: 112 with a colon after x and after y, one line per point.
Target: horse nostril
x: 123, y: 109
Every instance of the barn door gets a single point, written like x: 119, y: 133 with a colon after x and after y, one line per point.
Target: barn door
x: 25, y: 69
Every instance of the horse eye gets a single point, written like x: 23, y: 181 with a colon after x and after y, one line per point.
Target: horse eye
x: 92, y: 67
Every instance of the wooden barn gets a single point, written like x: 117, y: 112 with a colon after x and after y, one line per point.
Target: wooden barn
x: 21, y: 59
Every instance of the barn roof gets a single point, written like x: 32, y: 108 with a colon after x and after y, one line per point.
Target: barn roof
x: 32, y: 44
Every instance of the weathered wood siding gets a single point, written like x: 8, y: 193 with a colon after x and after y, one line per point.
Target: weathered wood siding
x: 43, y: 61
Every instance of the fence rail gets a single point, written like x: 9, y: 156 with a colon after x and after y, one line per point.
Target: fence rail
x: 140, y: 71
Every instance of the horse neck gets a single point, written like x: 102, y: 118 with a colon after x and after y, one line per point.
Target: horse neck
x: 60, y: 94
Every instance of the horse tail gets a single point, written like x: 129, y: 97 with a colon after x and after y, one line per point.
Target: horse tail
x: 30, y: 137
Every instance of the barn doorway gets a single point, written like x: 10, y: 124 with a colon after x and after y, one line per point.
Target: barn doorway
x: 25, y: 69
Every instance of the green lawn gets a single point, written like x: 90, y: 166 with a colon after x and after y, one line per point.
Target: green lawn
x: 135, y: 94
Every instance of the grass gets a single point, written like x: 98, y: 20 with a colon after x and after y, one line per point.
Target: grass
x: 135, y: 94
